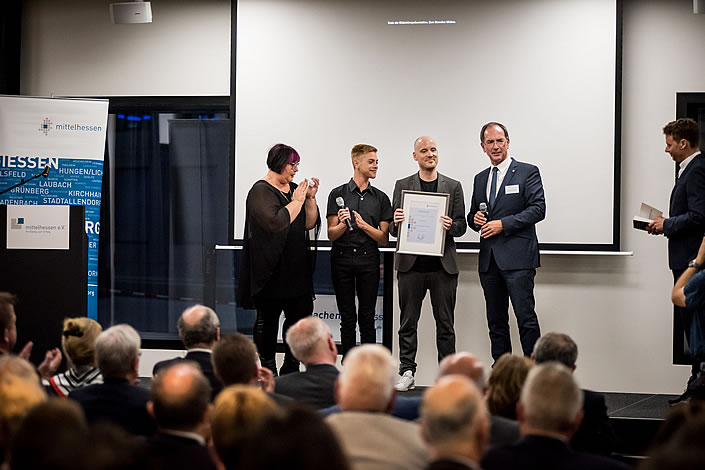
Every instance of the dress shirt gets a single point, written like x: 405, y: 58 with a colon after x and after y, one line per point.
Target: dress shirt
x: 502, y: 167
x: 684, y: 163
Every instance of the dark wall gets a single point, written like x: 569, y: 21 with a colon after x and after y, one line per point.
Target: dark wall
x: 10, y: 29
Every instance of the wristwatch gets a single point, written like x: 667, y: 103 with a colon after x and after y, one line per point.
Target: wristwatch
x: 694, y: 264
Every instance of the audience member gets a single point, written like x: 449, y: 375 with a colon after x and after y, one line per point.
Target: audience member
x: 15, y: 365
x: 78, y: 343
x: 370, y: 436
x: 549, y: 413
x: 239, y: 411
x: 110, y: 447
x: 684, y: 451
x: 236, y: 363
x: 595, y: 433
x: 199, y: 330
x: 504, y: 385
x: 311, y: 342
x: 18, y: 395
x: 454, y: 421
x: 297, y: 440
x: 8, y: 338
x: 118, y: 399
x: 53, y: 436
x: 180, y: 406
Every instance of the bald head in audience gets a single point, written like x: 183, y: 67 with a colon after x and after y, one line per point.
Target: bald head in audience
x: 551, y: 402
x: 465, y: 364
x: 367, y: 382
x: 199, y: 327
x: 454, y: 419
x: 311, y: 342
x: 180, y: 399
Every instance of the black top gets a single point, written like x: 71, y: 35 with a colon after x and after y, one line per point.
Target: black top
x: 277, y: 260
x: 313, y: 387
x: 170, y: 452
x: 203, y: 359
x: 373, y: 206
x: 428, y: 264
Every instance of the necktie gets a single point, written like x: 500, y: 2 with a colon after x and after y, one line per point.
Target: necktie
x: 493, y: 186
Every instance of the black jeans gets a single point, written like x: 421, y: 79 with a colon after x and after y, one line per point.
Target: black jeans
x: 355, y: 271
x: 267, y: 328
x: 412, y: 290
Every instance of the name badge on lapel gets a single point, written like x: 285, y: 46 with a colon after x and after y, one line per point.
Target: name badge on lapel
x: 511, y: 189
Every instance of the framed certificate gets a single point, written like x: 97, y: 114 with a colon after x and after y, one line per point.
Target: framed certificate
x: 422, y: 233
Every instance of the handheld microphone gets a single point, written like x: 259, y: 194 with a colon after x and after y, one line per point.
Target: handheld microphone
x: 45, y: 173
x: 483, y: 209
x: 341, y: 203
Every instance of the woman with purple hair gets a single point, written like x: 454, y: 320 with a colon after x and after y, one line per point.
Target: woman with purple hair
x: 276, y: 273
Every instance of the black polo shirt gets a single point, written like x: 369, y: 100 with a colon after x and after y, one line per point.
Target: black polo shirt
x: 372, y: 205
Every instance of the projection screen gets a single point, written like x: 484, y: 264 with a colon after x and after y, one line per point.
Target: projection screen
x: 323, y: 75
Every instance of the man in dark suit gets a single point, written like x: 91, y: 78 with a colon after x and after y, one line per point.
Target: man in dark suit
x: 311, y: 342
x: 685, y: 224
x: 180, y: 406
x: 595, y: 433
x: 117, y: 399
x: 509, y: 249
x: 549, y: 412
x: 418, y: 274
x: 454, y: 423
x: 199, y: 330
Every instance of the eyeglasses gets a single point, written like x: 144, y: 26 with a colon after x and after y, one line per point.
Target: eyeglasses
x: 294, y: 165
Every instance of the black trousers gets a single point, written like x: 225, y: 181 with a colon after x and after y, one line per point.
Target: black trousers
x: 412, y: 290
x: 686, y: 319
x: 518, y: 285
x: 267, y: 328
x: 355, y: 272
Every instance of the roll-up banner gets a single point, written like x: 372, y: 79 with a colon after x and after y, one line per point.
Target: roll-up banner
x: 67, y: 136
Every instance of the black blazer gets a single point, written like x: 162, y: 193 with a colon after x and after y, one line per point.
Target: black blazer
x: 595, y: 434
x: 203, y: 359
x: 544, y: 453
x: 169, y: 452
x: 456, y: 211
x: 450, y: 464
x: 685, y: 225
x: 119, y: 402
x: 313, y: 387
x: 517, y: 246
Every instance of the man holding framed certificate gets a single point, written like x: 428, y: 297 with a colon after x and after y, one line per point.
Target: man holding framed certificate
x: 426, y: 226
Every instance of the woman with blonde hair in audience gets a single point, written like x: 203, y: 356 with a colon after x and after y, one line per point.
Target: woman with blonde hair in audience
x: 505, y: 383
x: 19, y: 393
x: 78, y: 342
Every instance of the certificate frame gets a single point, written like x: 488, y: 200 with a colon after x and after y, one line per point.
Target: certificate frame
x: 422, y: 232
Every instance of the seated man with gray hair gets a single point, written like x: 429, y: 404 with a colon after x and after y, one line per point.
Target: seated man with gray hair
x: 118, y: 399
x: 311, y: 342
x: 595, y: 433
x: 199, y: 330
x: 370, y: 436
x: 549, y: 413
x: 455, y: 423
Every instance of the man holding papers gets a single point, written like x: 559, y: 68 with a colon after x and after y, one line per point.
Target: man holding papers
x: 685, y: 224
x: 507, y: 202
x: 418, y: 274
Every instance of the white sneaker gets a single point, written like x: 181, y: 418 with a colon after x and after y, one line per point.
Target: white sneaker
x: 406, y: 382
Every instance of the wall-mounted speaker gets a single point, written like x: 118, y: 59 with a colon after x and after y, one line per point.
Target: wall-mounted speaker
x: 131, y: 12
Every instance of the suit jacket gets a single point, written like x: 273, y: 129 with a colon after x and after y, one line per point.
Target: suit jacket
x: 203, y: 359
x: 378, y: 441
x: 595, y: 434
x: 685, y: 225
x: 544, y: 453
x: 313, y: 387
x: 169, y: 452
x: 456, y: 211
x: 117, y: 401
x: 517, y: 246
